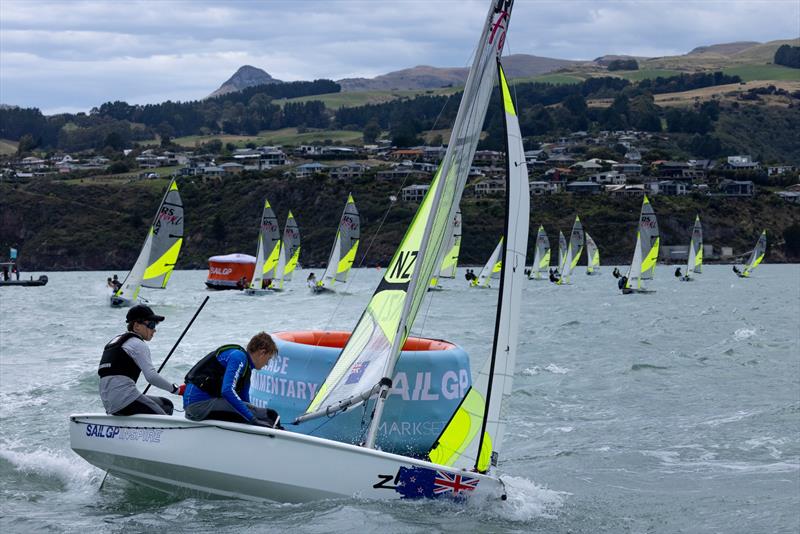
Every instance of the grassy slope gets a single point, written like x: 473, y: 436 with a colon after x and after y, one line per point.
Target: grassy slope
x: 8, y: 148
x: 763, y: 72
x: 63, y: 226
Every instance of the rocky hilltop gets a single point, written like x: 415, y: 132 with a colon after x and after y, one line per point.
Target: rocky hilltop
x: 246, y: 76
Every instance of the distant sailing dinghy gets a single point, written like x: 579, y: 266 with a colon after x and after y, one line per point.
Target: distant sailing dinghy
x: 645, y: 255
x: 159, y: 253
x: 592, y: 256
x: 541, y: 257
x: 268, y: 255
x: 562, y: 250
x: 159, y: 452
x: 450, y: 260
x: 574, y: 251
x: 290, y: 251
x: 694, y: 262
x: 756, y: 257
x: 492, y: 269
x: 345, y: 246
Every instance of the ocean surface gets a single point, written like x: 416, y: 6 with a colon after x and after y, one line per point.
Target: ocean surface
x: 672, y: 412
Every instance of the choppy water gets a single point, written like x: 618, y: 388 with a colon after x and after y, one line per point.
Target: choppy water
x: 672, y: 412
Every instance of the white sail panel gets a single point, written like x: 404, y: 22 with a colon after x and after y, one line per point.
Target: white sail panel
x: 291, y: 246
x: 541, y: 255
x: 592, y: 255
x: 269, y: 244
x: 645, y: 254
x: 574, y: 251
x: 474, y: 436
x: 695, y: 259
x: 493, y: 266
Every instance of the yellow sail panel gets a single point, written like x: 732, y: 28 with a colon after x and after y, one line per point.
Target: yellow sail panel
x: 272, y: 260
x: 650, y: 261
x: 545, y: 261
x: 165, y: 264
x: 698, y: 259
x: 347, y: 262
x: 461, y: 430
x: 508, y: 103
x: 292, y: 264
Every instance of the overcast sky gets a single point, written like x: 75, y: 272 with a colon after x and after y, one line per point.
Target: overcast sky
x: 72, y: 55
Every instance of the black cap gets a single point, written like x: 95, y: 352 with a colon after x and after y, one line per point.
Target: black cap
x: 140, y: 312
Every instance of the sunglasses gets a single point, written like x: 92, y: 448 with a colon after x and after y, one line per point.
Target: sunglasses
x: 150, y: 324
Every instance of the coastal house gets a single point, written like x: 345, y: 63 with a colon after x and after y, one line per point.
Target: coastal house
x: 583, y: 188
x: 672, y: 188
x: 626, y: 190
x: 490, y: 186
x: 538, y: 188
x: 736, y: 188
x: 742, y: 162
x: 308, y: 170
x: 347, y: 171
x: 414, y: 193
x: 610, y: 177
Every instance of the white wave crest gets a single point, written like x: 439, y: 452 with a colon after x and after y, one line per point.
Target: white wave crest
x: 73, y: 472
x: 744, y: 333
x: 526, y: 500
x: 550, y: 368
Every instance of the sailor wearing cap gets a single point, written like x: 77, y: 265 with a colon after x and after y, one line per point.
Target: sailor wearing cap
x: 126, y: 357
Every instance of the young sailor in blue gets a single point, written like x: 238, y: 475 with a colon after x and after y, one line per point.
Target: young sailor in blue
x: 218, y: 386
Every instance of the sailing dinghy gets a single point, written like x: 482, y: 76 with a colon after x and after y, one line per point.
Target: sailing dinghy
x: 492, y: 269
x: 343, y: 252
x: 290, y: 252
x: 645, y: 254
x: 694, y: 262
x: 573, y: 252
x: 756, y: 257
x: 450, y: 260
x: 562, y: 251
x: 541, y: 258
x: 268, y: 255
x: 159, y: 253
x: 592, y: 256
x: 179, y: 455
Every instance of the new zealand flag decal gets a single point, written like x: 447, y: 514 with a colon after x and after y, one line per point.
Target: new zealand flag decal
x: 420, y: 482
x: 356, y: 372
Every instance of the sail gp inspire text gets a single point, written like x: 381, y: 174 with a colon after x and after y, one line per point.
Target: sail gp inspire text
x: 420, y: 386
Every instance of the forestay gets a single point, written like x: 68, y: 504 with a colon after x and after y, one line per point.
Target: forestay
x: 592, y: 255
x: 758, y: 254
x: 645, y: 254
x: 573, y: 251
x: 493, y: 266
x: 368, y: 359
x: 695, y: 260
x: 345, y: 246
x: 541, y: 257
x: 269, y: 247
x: 162, y: 245
x: 473, y: 437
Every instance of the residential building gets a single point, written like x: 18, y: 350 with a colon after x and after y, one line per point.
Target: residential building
x: 348, y: 171
x: 490, y: 186
x: 415, y: 192
x: 310, y: 169
x: 627, y: 190
x: 672, y: 188
x: 583, y: 188
x: 736, y: 188
x: 543, y: 188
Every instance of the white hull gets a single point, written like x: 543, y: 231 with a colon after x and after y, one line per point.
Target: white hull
x: 120, y: 302
x: 255, y: 463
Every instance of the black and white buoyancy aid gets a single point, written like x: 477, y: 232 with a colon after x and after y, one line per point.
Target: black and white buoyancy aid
x: 115, y: 361
x: 208, y: 373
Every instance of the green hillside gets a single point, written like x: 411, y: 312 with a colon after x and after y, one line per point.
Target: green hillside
x: 59, y: 225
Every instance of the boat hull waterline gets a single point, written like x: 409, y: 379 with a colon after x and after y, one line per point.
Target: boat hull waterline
x: 185, y: 457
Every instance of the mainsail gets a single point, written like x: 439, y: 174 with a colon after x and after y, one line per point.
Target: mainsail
x: 159, y: 253
x: 493, y: 267
x: 562, y: 249
x: 645, y: 254
x: 473, y: 437
x: 541, y: 258
x: 450, y: 261
x: 573, y: 251
x: 367, y: 362
x: 757, y: 256
x: 291, y: 246
x: 695, y: 260
x: 269, y: 247
x: 343, y: 253
x: 592, y: 255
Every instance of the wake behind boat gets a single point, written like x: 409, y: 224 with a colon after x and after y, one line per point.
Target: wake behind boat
x: 170, y: 453
x: 159, y: 253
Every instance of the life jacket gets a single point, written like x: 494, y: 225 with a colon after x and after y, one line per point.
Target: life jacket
x: 116, y: 361
x: 208, y: 373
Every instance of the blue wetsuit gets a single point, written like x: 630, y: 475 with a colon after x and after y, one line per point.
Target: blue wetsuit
x: 235, y: 362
